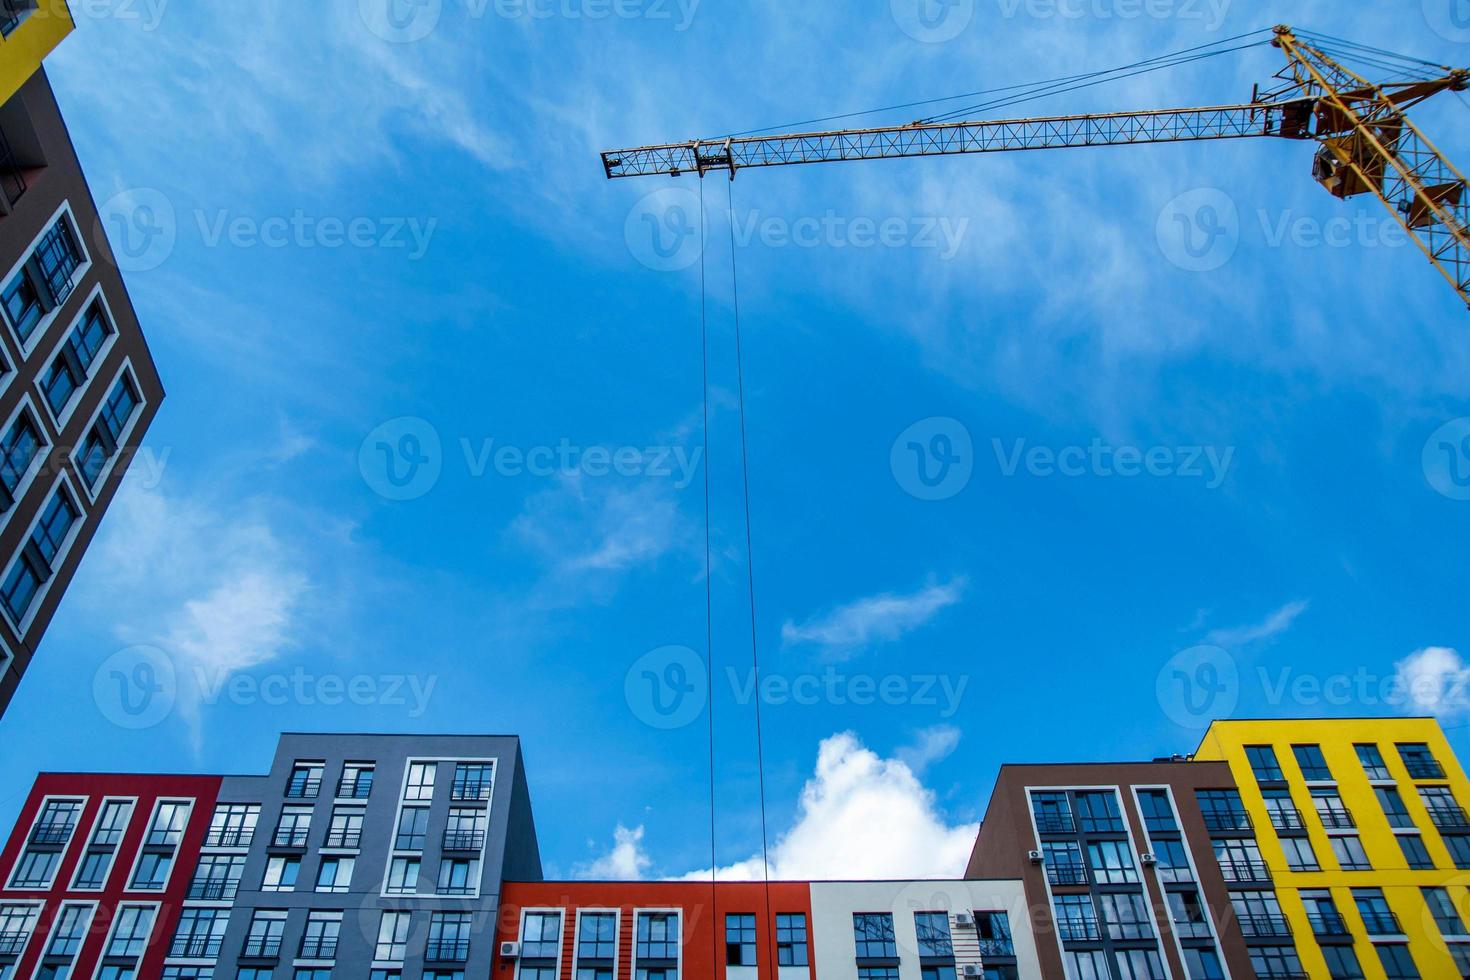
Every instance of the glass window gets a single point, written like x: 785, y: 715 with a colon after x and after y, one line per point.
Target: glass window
x: 472, y: 781
x: 739, y: 939
x: 356, y: 782
x: 392, y: 941
x: 264, y: 935
x: 1398, y: 962
x: 1378, y: 918
x: 71, y: 367
x: 1331, y: 810
x: 1063, y: 863
x: 1262, y: 759
x: 541, y: 937
x: 1053, y: 813
x: 1299, y: 854
x: 1098, y: 812
x: 791, y: 940
x: 597, y: 936
x: 1077, y: 918
x: 1127, y: 916
x: 458, y: 877
x: 1140, y: 964
x: 233, y: 825
x: 1415, y: 853
x: 319, y: 941
x: 1187, y: 913
x: 1459, y: 848
x: 19, y: 449
x: 152, y: 871
x: 1342, y: 963
x: 293, y: 827
x: 1203, y: 964
x: 658, y: 937
x: 1158, y: 812
x: 1240, y: 860
x: 334, y: 874
x: 1089, y: 965
x: 932, y: 929
x: 1223, y: 810
x: 1273, y: 962
x: 413, y: 829
x: 1420, y: 761
x: 68, y: 931
x: 1372, y: 759
x: 1173, y: 861
x: 305, y: 782
x: 1392, y: 802
x: 419, y: 787
x: 33, y: 567
x: 281, y: 874
x: 1446, y: 916
x: 1312, y: 763
x: 874, y: 935
x: 1112, y: 862
x: 1281, y: 809
x: 1348, y: 850
x: 403, y: 876
x: 345, y: 829
x: 449, y: 936
x: 130, y: 931
x: 199, y: 933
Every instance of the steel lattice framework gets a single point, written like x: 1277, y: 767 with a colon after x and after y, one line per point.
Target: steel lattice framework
x: 1368, y: 144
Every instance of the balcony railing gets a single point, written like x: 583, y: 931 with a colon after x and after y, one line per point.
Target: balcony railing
x: 1192, y: 929
x: 447, y: 950
x: 289, y: 837
x: 304, y: 789
x: 1056, y: 823
x: 354, y: 788
x: 229, y: 837
x: 261, y: 947
x: 1066, y: 874
x: 1288, y: 820
x: 470, y: 790
x: 464, y: 840
x: 52, y: 833
x: 214, y: 889
x: 319, y: 949
x: 1079, y: 930
x: 1382, y: 924
x: 196, y: 947
x: 1238, y: 872
x: 1228, y: 821
x: 1264, y: 927
x: 997, y: 947
x: 1337, y: 819
x: 11, y: 943
x: 1424, y: 769
x: 1449, y: 817
x: 344, y: 838
x: 1328, y: 924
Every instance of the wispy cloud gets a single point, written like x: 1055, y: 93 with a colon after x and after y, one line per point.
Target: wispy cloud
x: 884, y: 618
x: 627, y: 861
x: 933, y: 744
x: 1252, y: 633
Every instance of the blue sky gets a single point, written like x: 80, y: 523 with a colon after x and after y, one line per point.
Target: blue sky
x: 380, y: 243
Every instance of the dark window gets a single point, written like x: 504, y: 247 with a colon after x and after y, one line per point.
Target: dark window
x: 1098, y: 812
x: 791, y: 941
x: 19, y: 448
x: 1446, y: 916
x: 44, y: 282
x: 103, y: 439
x: 1415, y: 852
x: 1372, y: 759
x: 1392, y: 802
x: 73, y: 364
x: 1311, y: 762
x: 739, y: 939
x: 658, y: 937
x: 33, y: 568
x: 1378, y: 918
x: 1158, y: 813
x: 1342, y: 963
x: 1223, y: 811
x: 1262, y: 759
x: 1053, y: 812
x: 874, y: 936
x: 472, y: 781
x: 933, y: 933
x: 1420, y: 761
x: 1077, y: 918
x: 305, y: 782
x: 413, y: 829
x: 1398, y: 963
x: 597, y: 936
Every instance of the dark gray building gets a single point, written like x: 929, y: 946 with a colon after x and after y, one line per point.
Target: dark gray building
x: 374, y: 856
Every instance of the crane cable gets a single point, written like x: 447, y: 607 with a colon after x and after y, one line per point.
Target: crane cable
x: 709, y: 629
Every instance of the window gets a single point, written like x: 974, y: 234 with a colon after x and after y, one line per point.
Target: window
x: 656, y: 956
x: 932, y: 929
x: 1259, y: 915
x: 253, y: 973
x: 1126, y: 915
x: 877, y: 973
x: 392, y: 936
x: 419, y: 787
x: 312, y: 973
x: 944, y: 971
x: 34, y: 566
x: 319, y: 941
x: 232, y: 825
x: 1173, y: 861
x: 1276, y: 963
x: 167, y: 828
x: 1398, y: 963
x: 1444, y: 810
x: 413, y: 829
x: 791, y: 940
x: 1053, y: 813
x: 1312, y: 763
x: 1063, y: 863
x: 293, y: 827
x: 281, y: 873
x: 16, y: 923
x: 68, y: 931
x: 1378, y: 918
x: 130, y: 931
x: 1322, y: 915
x: 541, y: 936
x: 1262, y: 759
x: 1281, y: 809
x: 1348, y: 850
x: 1331, y: 810
x: 12, y: 14
x: 472, y: 781
x: 739, y: 939
x: 1223, y: 811
x: 57, y: 821
x: 1140, y: 964
x: 1299, y: 854
x: 101, y: 442
x: 874, y: 935
x: 44, y: 282
x: 1372, y: 759
x: 1098, y: 812
x: 1158, y: 812
x: 1077, y: 918
x: 152, y: 871
x: 597, y: 940
x: 403, y: 876
x: 264, y: 936
x: 92, y: 873
x: 345, y: 829
x: 199, y: 933
x: 356, y: 782
x: 1187, y: 913
x: 458, y: 877
x: 466, y: 829
x: 1091, y: 965
x: 1446, y: 916
x: 72, y: 365
x: 335, y: 874
x: 19, y: 448
x: 449, y: 939
x: 188, y: 973
x: 1112, y: 862
x: 994, y: 930
x: 1342, y: 963
x: 1420, y: 761
x: 1393, y: 807
x: 1240, y: 860
x: 35, y: 870
x: 1415, y: 852
x: 1203, y: 964
x: 305, y: 782
x: 217, y: 877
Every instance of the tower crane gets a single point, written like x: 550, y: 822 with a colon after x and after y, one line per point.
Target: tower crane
x: 1366, y: 143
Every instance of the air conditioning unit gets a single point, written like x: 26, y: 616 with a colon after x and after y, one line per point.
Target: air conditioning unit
x: 1035, y: 857
x: 973, y: 970
x: 1148, y: 858
x: 510, y: 951
x: 965, y: 920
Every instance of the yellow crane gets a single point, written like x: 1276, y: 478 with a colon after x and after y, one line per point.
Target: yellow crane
x: 1367, y: 143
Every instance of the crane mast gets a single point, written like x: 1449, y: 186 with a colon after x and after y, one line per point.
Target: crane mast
x: 1368, y: 145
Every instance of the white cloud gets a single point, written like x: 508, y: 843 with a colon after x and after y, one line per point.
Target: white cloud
x: 934, y: 744
x: 1271, y: 627
x: 627, y: 861
x: 1435, y: 681
x: 883, y: 618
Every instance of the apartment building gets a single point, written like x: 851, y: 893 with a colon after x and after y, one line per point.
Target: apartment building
x: 78, y: 388
x: 1364, y: 833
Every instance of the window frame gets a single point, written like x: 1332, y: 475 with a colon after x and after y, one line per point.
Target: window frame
x: 27, y: 346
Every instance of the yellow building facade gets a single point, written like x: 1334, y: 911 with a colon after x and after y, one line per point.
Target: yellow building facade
x: 1362, y: 825
x: 29, y: 31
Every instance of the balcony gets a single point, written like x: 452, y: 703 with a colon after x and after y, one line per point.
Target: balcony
x: 196, y: 947
x: 464, y: 840
x: 355, y: 788
x: 289, y: 837
x: 447, y: 950
x: 323, y: 948
x: 11, y: 943
x: 1079, y: 930
x: 1244, y: 872
x: 1328, y: 926
x: 1449, y: 818
x: 1228, y: 822
x: 52, y: 833
x: 1055, y: 823
x: 997, y: 947
x: 261, y: 948
x: 1066, y: 874
x: 1424, y: 769
x: 1382, y: 924
x: 470, y: 790
x: 1264, y: 927
x: 1287, y: 820
x: 1337, y: 820
x: 343, y: 838
x: 231, y: 837
x: 304, y: 789
x: 214, y: 890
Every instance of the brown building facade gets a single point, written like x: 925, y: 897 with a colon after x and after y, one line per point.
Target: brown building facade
x: 78, y: 387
